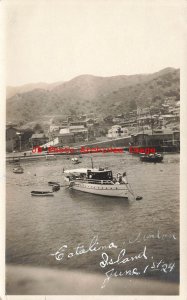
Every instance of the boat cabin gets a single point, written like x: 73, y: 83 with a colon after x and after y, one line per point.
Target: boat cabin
x: 95, y: 174
x: 100, y: 174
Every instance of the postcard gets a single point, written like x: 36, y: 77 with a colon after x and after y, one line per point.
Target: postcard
x: 93, y: 130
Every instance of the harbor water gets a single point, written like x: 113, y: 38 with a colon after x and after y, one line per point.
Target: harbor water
x: 37, y: 227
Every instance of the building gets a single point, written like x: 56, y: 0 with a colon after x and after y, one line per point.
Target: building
x: 157, y: 137
x: 64, y: 139
x: 77, y: 123
x: 170, y: 118
x: 53, y: 131
x: 12, y: 138
x: 117, y: 131
x: 80, y: 132
x: 63, y: 131
x: 38, y: 139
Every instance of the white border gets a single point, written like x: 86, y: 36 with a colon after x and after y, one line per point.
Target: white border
x: 183, y: 174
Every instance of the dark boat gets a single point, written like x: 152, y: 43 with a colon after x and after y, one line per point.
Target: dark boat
x: 39, y: 193
x: 75, y: 161
x: 53, y: 183
x: 152, y: 158
x: 56, y: 188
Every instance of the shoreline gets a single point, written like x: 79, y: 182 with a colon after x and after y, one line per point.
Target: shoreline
x: 11, y: 158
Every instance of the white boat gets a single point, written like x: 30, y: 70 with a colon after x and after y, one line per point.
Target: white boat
x: 75, y: 161
x: 97, y: 181
x: 18, y: 170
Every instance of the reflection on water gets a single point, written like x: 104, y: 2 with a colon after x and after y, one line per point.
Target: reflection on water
x: 37, y: 227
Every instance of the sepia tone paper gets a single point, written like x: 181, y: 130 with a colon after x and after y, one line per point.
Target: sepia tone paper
x: 54, y: 43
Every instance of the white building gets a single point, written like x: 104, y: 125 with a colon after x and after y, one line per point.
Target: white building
x: 117, y: 131
x: 54, y: 128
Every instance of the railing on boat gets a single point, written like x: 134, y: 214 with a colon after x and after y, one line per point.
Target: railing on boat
x: 94, y: 181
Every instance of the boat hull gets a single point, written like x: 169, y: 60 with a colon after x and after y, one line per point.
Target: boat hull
x: 42, y: 194
x: 103, y: 190
x: 18, y: 170
x: 34, y: 195
x: 152, y: 160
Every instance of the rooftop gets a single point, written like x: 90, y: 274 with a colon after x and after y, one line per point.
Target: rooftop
x: 38, y: 136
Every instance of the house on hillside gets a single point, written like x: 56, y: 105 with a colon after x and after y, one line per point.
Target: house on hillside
x: 53, y: 131
x: 80, y: 132
x: 117, y: 131
x: 64, y: 139
x: 78, y: 123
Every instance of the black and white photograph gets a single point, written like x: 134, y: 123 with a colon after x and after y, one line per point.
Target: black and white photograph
x: 92, y: 139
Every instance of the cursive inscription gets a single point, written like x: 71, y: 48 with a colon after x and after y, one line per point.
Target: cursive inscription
x: 160, y: 266
x: 118, y: 262
x: 80, y: 249
x: 140, y: 237
x: 122, y: 258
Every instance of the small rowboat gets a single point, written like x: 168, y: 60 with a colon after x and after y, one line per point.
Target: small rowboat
x: 53, y: 183
x: 42, y: 194
x: 18, y: 170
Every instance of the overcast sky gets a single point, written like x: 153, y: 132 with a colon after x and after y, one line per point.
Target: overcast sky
x: 56, y: 40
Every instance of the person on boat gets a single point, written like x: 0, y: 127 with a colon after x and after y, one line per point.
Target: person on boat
x: 119, y: 178
x: 114, y: 180
x: 124, y: 178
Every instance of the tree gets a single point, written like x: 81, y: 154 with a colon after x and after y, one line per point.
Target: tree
x: 38, y: 128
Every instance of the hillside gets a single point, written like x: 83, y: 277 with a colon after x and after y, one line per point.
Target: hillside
x: 88, y: 93
x: 13, y: 90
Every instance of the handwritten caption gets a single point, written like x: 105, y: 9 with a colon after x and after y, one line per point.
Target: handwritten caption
x: 123, y: 258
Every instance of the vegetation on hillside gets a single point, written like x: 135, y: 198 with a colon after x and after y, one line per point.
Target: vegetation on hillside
x: 101, y: 95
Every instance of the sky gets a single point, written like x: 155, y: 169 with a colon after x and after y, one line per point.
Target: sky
x: 56, y: 40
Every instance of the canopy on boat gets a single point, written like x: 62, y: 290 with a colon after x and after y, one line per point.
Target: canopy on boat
x: 84, y: 170
x: 77, y: 171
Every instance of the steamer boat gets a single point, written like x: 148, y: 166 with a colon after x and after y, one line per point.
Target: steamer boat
x: 98, y: 181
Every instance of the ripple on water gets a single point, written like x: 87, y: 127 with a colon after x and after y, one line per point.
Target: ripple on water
x: 36, y: 226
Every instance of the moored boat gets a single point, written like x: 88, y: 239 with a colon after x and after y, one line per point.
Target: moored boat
x: 18, y: 170
x: 75, y: 161
x: 152, y: 158
x: 98, y: 181
x: 53, y: 183
x: 42, y: 194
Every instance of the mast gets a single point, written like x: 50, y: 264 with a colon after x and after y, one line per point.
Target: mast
x: 92, y: 162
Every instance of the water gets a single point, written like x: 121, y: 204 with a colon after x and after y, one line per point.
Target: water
x: 39, y: 226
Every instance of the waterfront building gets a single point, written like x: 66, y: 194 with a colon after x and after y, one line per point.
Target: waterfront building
x: 156, y: 137
x: 12, y: 138
x: 38, y: 139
